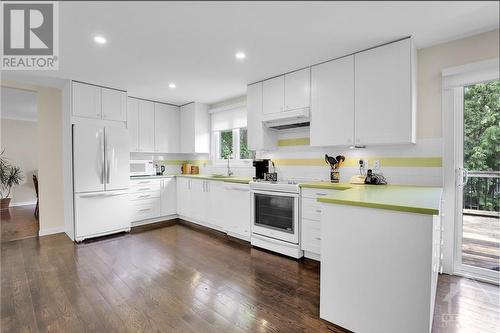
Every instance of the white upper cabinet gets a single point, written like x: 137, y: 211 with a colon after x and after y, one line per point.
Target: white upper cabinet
x: 385, y: 94
x: 195, y: 132
x: 287, y: 92
x: 259, y: 136
x: 86, y: 100
x: 114, y: 104
x: 166, y: 130
x: 273, y: 95
x: 133, y: 123
x: 297, y: 89
x: 146, y: 126
x: 332, y: 103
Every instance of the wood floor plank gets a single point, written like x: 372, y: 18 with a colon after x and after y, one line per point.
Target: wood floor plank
x: 182, y: 279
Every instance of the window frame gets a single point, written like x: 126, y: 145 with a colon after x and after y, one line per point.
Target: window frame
x: 216, y: 158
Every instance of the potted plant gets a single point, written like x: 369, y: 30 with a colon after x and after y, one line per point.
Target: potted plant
x: 10, y: 176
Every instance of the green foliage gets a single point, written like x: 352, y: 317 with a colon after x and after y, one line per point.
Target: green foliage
x: 482, y: 126
x: 226, y: 144
x: 482, y: 144
x: 245, y: 153
x: 10, y: 175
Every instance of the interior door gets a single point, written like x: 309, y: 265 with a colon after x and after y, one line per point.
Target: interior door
x: 477, y: 179
x: 117, y: 158
x: 88, y: 158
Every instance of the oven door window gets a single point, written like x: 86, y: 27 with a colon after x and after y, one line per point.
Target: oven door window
x: 274, y: 212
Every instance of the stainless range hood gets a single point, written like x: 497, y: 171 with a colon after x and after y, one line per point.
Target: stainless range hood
x: 287, y: 119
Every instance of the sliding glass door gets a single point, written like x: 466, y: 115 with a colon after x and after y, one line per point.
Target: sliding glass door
x: 478, y: 182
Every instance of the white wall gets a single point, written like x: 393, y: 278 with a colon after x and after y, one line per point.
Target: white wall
x: 19, y: 139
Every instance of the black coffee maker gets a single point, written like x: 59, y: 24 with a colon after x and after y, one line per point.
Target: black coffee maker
x: 261, y: 168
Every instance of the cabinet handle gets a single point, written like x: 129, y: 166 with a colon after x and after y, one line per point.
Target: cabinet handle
x: 144, y: 209
x: 318, y: 238
x: 144, y: 196
x: 318, y: 210
x: 320, y: 194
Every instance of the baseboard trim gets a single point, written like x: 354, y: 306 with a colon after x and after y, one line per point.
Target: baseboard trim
x: 154, y: 220
x: 51, y: 231
x: 22, y: 203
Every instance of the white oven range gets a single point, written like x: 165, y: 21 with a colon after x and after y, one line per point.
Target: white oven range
x: 275, y: 217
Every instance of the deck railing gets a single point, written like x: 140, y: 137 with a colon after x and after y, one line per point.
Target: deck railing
x: 481, y: 193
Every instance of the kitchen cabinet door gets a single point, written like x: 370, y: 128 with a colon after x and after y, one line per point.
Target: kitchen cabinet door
x: 183, y: 186
x: 187, y: 134
x: 384, y: 99
x: 161, y: 130
x: 173, y: 124
x: 202, y: 129
x: 215, y: 191
x: 168, y: 196
x: 86, y: 100
x: 146, y: 126
x: 273, y: 95
x: 238, y: 210
x: 114, y: 104
x: 297, y: 89
x: 332, y: 103
x: 195, y: 132
x: 133, y: 123
x: 259, y: 136
x: 198, y: 204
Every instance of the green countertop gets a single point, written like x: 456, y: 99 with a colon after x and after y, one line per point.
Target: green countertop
x: 232, y: 179
x: 413, y: 199
x: 328, y: 185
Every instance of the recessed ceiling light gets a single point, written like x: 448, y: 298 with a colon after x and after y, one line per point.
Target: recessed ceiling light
x: 100, y: 40
x: 240, y: 55
x: 172, y: 85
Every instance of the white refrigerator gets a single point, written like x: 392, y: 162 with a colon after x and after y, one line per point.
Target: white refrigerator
x: 100, y: 180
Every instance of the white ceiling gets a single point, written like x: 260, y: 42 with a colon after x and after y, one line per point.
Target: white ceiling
x: 151, y: 44
x: 18, y: 104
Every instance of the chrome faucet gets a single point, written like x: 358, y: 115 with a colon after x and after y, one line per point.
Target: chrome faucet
x: 229, y: 172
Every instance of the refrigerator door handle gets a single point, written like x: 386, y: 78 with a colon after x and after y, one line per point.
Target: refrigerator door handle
x: 106, y: 153
x: 102, y: 143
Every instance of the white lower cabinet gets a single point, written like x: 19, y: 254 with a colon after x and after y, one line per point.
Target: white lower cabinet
x: 310, y: 230
x: 215, y: 204
x: 168, y: 197
x: 183, y: 196
x: 152, y: 198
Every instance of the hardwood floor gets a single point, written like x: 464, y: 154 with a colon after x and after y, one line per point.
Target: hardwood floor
x: 18, y: 223
x: 177, y: 279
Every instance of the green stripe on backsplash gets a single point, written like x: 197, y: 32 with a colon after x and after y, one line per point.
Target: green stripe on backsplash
x: 422, y: 162
x: 294, y: 142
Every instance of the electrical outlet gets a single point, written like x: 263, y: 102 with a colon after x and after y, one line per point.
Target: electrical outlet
x: 376, y: 164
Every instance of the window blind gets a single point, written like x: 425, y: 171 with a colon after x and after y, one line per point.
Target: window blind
x: 229, y: 119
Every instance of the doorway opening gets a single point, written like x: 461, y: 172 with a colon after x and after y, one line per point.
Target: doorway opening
x: 19, y: 184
